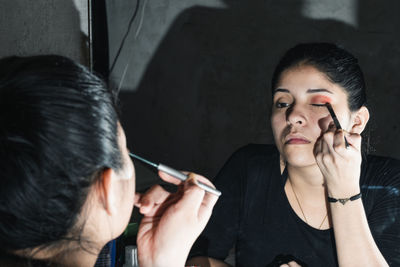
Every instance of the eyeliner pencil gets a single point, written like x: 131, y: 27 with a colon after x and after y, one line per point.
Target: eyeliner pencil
x: 336, y: 121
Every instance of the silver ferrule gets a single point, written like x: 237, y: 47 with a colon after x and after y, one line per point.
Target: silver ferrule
x: 168, y: 170
x: 181, y: 176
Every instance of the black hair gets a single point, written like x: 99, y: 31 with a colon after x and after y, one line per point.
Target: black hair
x: 339, y: 66
x: 58, y: 131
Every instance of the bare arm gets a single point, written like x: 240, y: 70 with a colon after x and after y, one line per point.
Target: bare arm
x: 340, y: 166
x: 355, y: 245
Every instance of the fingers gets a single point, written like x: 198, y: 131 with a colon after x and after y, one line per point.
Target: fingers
x: 190, y: 196
x: 333, y: 140
x: 338, y: 139
x: 208, y: 202
x: 150, y: 201
x: 171, y: 179
x: 200, y: 178
x: 323, y: 144
x: 137, y: 200
x: 197, y: 199
x: 354, y: 140
x: 168, y: 178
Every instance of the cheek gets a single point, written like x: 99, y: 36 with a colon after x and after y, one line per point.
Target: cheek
x: 129, y: 184
x: 132, y: 183
x: 127, y: 198
x: 278, y: 122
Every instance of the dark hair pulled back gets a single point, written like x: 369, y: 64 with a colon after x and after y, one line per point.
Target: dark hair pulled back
x: 339, y: 66
x: 58, y: 130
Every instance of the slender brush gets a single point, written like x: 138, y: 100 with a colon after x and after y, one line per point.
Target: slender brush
x: 175, y: 173
x: 336, y: 121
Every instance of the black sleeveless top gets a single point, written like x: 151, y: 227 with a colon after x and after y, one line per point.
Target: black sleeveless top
x: 254, y: 215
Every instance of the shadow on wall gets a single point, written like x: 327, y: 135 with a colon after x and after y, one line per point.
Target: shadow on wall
x: 206, y: 90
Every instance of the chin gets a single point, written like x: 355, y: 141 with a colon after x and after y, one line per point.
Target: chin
x: 298, y: 156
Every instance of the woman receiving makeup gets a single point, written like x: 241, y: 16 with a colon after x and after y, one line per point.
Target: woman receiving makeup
x: 314, y: 198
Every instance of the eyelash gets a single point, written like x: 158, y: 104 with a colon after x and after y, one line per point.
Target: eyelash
x: 318, y: 105
x: 282, y: 105
x: 285, y: 105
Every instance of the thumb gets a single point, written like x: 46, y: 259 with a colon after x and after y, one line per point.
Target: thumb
x: 192, y: 195
x: 207, y: 206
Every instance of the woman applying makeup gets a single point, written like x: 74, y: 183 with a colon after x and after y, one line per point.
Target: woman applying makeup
x: 67, y: 183
x: 298, y: 203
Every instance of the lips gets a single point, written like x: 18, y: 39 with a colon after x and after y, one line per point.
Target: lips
x: 296, y: 140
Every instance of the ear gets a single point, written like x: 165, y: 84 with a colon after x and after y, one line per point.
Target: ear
x: 106, y: 190
x: 360, y: 119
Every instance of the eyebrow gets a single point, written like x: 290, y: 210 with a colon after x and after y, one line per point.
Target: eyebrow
x: 319, y: 90
x: 281, y: 90
x: 309, y: 91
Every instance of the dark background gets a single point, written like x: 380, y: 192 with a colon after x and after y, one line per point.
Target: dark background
x: 205, y: 89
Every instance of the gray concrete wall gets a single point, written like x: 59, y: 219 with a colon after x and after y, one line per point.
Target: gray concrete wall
x: 153, y: 19
x: 44, y: 27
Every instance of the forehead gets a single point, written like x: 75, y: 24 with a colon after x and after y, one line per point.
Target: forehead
x: 304, y: 80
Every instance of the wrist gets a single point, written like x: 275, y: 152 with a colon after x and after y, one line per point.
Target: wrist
x: 340, y: 191
x: 161, y: 262
x: 343, y: 201
x: 173, y: 257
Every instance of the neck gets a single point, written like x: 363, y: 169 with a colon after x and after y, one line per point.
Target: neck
x: 306, y: 180
x: 78, y: 258
x: 306, y: 194
x: 74, y: 255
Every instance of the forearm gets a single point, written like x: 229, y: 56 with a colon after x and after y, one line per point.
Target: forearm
x: 355, y: 245
x: 206, y: 262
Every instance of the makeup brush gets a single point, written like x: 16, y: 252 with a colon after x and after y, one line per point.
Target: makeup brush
x: 336, y: 121
x: 177, y: 174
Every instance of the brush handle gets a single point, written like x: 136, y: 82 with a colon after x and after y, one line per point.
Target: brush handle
x: 333, y: 115
x: 336, y: 122
x: 181, y: 176
x: 346, y: 143
x: 177, y: 174
x: 208, y: 188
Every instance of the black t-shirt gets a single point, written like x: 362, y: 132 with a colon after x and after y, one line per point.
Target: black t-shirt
x: 254, y: 215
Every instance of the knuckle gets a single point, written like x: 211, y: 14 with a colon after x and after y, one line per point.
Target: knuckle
x: 327, y: 159
x: 328, y: 135
x: 339, y: 148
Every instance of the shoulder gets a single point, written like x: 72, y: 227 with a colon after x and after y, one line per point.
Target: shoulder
x: 257, y: 161
x: 248, y: 163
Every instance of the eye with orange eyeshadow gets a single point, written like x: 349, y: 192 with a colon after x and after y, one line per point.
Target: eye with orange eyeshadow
x: 320, y: 100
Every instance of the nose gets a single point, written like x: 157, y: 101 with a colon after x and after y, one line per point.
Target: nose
x: 295, y: 115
